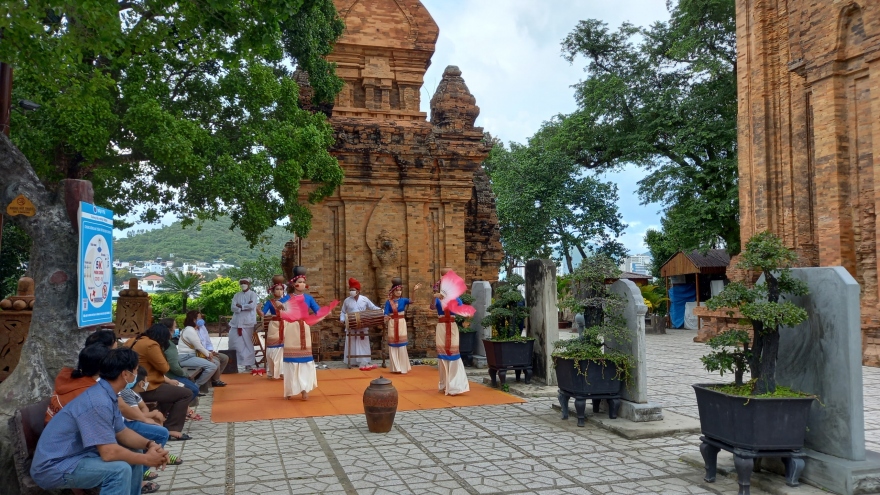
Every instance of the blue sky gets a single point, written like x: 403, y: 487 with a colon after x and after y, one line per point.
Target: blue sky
x: 509, y: 54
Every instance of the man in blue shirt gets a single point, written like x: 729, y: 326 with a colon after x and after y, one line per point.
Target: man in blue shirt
x: 87, y: 445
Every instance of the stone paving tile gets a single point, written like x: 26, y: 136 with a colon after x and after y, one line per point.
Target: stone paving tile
x: 506, y: 449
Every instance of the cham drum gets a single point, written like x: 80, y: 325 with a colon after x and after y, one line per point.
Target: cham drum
x: 362, y: 319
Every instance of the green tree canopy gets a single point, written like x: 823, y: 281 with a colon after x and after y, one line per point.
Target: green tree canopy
x: 183, y: 107
x: 545, y: 200
x: 260, y: 270
x: 663, y: 97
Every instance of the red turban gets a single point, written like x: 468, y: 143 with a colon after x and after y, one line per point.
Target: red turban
x: 354, y: 284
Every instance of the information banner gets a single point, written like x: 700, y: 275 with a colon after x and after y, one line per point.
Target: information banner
x: 95, y: 265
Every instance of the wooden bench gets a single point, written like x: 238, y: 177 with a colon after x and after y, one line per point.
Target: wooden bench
x: 25, y: 428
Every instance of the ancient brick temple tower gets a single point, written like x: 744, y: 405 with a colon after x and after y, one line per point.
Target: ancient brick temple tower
x: 809, y: 135
x: 415, y: 198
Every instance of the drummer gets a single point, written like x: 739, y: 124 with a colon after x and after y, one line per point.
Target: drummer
x: 395, y: 310
x: 357, y: 340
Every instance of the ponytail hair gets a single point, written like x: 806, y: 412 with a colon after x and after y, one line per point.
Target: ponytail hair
x: 89, y: 363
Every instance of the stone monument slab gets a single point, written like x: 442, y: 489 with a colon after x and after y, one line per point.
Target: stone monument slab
x: 543, y: 316
x: 634, y: 312
x: 482, y: 293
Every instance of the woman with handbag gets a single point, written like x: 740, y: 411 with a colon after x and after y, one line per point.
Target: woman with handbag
x: 191, y: 351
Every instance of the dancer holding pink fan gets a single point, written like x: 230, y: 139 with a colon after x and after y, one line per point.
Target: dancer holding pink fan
x: 298, y: 368
x: 453, y: 378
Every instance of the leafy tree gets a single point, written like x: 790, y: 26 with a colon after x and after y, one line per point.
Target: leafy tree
x: 764, y: 253
x: 13, y: 258
x: 166, y: 304
x: 216, y: 298
x: 185, y: 284
x: 260, y: 271
x: 663, y: 97
x: 183, y: 107
x: 544, y: 200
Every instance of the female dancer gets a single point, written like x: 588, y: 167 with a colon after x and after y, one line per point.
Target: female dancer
x: 395, y: 311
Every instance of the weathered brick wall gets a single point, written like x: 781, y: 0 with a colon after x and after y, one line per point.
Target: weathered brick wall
x: 808, y: 76
x: 414, y: 198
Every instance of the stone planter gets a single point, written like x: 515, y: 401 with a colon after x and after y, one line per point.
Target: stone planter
x: 753, y: 423
x: 596, y: 381
x: 506, y: 356
x: 466, y: 343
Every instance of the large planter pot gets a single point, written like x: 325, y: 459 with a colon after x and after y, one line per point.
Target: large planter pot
x: 509, y: 355
x: 598, y: 380
x: 504, y: 356
x: 466, y: 343
x: 753, y: 423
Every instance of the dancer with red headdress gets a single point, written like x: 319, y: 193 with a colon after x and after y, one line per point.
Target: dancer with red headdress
x: 298, y: 367
x: 357, y: 340
x: 453, y: 378
x: 395, y: 324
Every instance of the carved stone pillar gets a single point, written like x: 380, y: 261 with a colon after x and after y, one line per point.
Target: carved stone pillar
x: 134, y: 314
x: 15, y: 320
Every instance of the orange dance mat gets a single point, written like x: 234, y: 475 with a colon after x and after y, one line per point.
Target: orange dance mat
x: 340, y: 391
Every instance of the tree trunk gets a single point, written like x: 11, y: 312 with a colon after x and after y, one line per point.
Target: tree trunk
x: 53, y: 341
x: 185, y: 297
x: 766, y: 383
x: 757, y: 349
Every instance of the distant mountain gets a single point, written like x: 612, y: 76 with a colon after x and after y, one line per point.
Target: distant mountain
x: 214, y: 241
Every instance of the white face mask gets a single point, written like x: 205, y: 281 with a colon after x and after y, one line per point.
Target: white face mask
x: 146, y: 385
x: 244, y: 287
x: 352, y: 293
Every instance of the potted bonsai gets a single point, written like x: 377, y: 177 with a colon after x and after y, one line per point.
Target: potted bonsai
x: 466, y: 333
x: 589, y: 366
x: 757, y: 415
x: 508, y: 349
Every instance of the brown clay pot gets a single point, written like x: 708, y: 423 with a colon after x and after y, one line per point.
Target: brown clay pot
x: 380, y: 405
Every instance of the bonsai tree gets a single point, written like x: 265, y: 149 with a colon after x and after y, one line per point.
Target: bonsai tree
x: 507, y: 311
x: 603, y: 313
x: 464, y: 322
x: 761, y: 304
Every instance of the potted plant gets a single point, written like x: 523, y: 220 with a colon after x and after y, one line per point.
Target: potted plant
x: 771, y: 417
x: 466, y: 333
x: 656, y: 301
x: 508, y: 349
x: 589, y: 365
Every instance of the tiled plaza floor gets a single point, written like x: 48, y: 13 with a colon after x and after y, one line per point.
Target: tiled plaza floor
x: 523, y: 448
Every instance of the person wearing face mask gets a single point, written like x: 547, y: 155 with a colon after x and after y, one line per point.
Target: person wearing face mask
x: 275, y: 331
x: 175, y: 371
x: 357, y: 340
x: 221, y: 359
x: 241, y: 327
x: 138, y: 418
x: 192, y: 353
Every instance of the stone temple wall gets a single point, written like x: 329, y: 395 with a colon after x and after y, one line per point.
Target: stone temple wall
x: 808, y: 77
x: 415, y: 198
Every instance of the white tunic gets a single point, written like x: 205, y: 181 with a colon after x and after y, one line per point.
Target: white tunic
x: 356, y: 346
x: 246, y: 315
x: 352, y: 305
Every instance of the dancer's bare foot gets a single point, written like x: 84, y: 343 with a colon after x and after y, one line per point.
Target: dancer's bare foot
x: 305, y: 395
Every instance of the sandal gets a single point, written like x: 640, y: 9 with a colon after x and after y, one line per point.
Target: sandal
x: 150, y: 487
x: 218, y: 383
x: 150, y: 475
x: 183, y: 437
x: 174, y: 460
x: 191, y: 414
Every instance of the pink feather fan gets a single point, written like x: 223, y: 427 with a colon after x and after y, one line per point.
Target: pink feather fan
x: 296, y: 309
x: 451, y: 287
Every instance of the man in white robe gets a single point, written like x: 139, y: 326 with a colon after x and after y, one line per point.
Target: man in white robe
x: 357, y: 342
x: 241, y: 328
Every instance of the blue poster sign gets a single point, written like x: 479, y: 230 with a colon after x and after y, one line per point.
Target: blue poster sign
x: 95, y: 265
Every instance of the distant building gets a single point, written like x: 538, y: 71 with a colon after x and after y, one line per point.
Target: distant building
x: 150, y: 283
x: 640, y: 263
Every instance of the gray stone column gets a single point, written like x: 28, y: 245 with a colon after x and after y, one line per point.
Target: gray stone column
x: 635, y: 405
x: 543, y: 316
x: 482, y: 292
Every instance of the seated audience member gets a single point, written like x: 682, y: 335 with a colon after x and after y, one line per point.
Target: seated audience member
x: 143, y: 421
x: 104, y: 337
x: 191, y: 351
x: 175, y: 371
x: 169, y: 394
x: 221, y: 359
x: 87, y: 445
x: 70, y: 383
